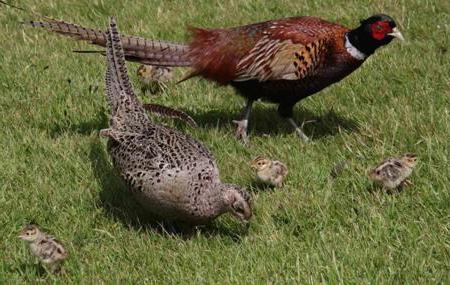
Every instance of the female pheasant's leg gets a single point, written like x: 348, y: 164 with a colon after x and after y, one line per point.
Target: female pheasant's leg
x: 241, y: 130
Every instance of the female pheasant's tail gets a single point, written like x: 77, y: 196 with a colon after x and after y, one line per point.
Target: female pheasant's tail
x: 171, y: 113
x: 127, y: 112
x: 152, y: 52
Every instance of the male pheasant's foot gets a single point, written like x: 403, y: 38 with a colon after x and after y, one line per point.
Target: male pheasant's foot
x: 301, y: 134
x: 298, y: 130
x: 241, y: 130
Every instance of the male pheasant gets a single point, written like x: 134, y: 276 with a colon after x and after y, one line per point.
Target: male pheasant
x: 281, y: 61
x: 169, y: 173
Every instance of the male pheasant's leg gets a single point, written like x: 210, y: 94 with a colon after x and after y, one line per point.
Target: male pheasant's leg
x: 298, y: 130
x: 285, y: 110
x: 241, y: 130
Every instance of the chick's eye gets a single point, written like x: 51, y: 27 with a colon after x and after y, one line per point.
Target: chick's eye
x: 239, y: 209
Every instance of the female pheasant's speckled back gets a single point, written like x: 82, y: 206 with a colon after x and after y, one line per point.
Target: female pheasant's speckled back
x: 170, y: 173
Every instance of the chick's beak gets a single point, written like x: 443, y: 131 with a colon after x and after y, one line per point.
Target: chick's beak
x: 397, y: 34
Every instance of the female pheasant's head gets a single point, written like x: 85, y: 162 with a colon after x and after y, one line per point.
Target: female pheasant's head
x: 374, y: 32
x: 238, y: 202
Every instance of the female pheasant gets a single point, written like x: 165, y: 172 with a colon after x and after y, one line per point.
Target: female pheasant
x: 169, y: 173
x: 281, y: 61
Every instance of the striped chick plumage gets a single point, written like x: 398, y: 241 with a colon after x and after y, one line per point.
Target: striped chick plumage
x: 50, y: 252
x: 394, y: 171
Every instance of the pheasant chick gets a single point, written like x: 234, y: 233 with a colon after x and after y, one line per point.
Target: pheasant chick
x: 46, y: 248
x: 269, y: 171
x: 393, y: 172
x: 154, y: 78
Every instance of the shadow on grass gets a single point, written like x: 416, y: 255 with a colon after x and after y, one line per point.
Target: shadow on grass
x: 114, y: 197
x: 378, y: 189
x: 119, y: 203
x: 265, y: 120
x: 259, y: 186
x: 85, y: 128
x: 36, y: 268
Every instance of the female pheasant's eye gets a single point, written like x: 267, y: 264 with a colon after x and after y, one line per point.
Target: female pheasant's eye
x: 378, y: 172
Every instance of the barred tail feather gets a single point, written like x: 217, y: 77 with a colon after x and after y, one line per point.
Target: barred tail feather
x: 127, y: 112
x: 171, y: 113
x: 154, y: 52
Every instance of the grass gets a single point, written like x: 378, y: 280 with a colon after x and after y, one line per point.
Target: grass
x: 54, y: 169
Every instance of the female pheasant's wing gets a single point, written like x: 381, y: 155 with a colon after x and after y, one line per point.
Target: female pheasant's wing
x: 140, y: 148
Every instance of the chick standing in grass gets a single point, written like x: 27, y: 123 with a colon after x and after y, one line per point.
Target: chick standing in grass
x: 393, y: 172
x: 46, y: 248
x: 269, y: 171
x: 154, y: 78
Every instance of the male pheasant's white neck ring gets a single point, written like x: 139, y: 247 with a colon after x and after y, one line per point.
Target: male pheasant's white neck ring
x: 353, y: 51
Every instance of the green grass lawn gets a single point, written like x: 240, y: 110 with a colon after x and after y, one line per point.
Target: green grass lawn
x: 54, y: 169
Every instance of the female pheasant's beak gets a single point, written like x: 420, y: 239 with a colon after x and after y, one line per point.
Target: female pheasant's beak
x: 396, y: 34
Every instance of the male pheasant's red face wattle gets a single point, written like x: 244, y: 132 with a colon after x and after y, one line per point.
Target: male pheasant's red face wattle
x: 380, y: 29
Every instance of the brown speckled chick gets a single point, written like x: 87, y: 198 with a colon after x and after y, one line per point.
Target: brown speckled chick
x: 170, y: 173
x: 46, y: 248
x: 393, y: 172
x: 269, y: 171
x: 154, y: 78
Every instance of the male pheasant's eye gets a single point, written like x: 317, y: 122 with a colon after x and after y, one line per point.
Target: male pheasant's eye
x: 379, y: 28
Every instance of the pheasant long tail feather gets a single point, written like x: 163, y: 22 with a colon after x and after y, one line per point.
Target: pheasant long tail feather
x: 125, y: 107
x: 171, y: 113
x: 137, y: 49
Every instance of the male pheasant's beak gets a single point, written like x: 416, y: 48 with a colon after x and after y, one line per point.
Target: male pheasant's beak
x: 396, y: 34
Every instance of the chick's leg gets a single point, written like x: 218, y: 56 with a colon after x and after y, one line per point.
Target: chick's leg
x: 242, y: 125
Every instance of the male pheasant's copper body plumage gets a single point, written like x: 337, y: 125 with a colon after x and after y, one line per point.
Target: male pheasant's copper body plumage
x: 281, y: 61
